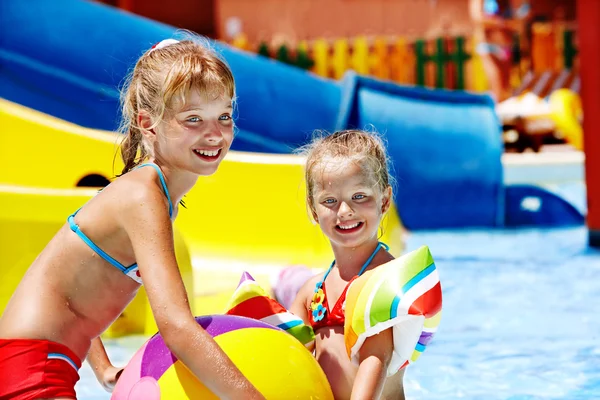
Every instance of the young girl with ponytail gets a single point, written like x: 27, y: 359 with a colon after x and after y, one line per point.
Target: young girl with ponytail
x: 177, y: 108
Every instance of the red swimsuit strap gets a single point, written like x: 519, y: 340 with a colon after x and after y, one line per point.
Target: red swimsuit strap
x: 336, y: 315
x: 319, y: 313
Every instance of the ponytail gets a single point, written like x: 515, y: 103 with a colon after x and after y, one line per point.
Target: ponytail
x: 132, y: 144
x: 130, y: 147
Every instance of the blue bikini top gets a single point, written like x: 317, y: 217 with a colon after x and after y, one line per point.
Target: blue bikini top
x: 131, y: 271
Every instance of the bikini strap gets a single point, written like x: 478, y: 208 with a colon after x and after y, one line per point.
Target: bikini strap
x: 366, y: 264
x: 320, y: 283
x: 75, y: 228
x: 363, y: 268
x: 162, y: 182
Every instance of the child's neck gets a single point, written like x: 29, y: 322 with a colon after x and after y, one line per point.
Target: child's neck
x: 179, y: 182
x: 350, y: 260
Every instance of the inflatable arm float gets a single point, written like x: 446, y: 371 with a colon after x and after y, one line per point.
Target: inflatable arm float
x: 404, y: 294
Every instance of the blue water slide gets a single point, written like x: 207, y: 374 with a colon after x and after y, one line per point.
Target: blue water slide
x: 69, y: 58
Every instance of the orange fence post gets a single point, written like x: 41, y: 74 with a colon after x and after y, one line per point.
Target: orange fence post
x: 400, y: 62
x: 543, y: 48
x: 379, y: 60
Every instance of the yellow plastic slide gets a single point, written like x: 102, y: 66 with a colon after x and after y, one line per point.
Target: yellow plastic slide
x: 250, y: 215
x: 29, y: 217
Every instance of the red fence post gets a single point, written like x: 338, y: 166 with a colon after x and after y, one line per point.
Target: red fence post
x: 588, y: 15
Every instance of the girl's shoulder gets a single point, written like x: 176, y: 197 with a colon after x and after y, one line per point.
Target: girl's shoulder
x: 139, y: 182
x: 308, y: 288
x: 138, y: 188
x: 385, y: 258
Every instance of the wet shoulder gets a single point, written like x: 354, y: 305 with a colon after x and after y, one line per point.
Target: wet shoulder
x: 382, y: 258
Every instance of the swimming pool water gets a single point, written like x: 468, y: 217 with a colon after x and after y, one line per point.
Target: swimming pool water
x: 519, y: 319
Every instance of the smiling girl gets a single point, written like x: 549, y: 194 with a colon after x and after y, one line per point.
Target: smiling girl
x: 177, y: 119
x: 348, y: 193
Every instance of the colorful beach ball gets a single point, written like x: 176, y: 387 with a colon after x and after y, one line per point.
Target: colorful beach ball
x: 276, y: 363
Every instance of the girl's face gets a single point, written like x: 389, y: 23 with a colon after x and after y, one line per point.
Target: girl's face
x: 196, y: 136
x: 347, y: 204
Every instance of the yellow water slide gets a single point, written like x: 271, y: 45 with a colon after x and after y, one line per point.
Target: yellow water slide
x: 250, y: 215
x: 30, y: 216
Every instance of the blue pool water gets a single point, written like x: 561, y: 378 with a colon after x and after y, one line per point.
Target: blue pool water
x: 519, y: 319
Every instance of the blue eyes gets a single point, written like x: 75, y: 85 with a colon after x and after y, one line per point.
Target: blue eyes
x: 355, y: 197
x: 224, y: 117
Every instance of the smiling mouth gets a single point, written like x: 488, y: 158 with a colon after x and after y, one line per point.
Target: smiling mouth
x: 349, y: 228
x: 208, y: 155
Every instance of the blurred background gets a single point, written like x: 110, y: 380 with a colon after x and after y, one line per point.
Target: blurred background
x: 481, y: 103
x: 505, y: 47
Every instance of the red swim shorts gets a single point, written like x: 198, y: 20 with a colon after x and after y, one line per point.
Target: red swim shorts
x: 34, y: 369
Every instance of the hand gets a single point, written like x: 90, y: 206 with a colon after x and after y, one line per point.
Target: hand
x: 110, y: 376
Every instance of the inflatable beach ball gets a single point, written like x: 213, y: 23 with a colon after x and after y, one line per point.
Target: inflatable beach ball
x: 276, y: 363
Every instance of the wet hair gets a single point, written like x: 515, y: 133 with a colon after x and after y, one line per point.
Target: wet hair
x: 365, y: 149
x: 161, y: 79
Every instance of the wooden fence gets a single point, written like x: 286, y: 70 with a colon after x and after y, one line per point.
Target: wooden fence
x: 443, y: 62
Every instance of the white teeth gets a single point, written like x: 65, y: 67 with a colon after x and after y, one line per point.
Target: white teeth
x: 210, y: 153
x: 349, y: 226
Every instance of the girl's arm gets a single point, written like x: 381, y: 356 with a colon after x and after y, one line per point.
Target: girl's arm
x: 298, y: 307
x: 374, y: 357
x: 146, y: 220
x: 105, y: 372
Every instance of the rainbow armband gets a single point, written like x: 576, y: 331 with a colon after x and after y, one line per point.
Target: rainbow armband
x: 404, y: 294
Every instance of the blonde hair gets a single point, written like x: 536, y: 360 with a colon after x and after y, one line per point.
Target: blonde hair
x: 364, y: 148
x: 165, y: 75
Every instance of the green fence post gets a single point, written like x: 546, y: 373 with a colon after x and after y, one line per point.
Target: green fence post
x: 440, y: 58
x: 516, y: 49
x: 263, y: 49
x: 422, y: 59
x: 283, y: 55
x: 569, y: 50
x: 303, y: 60
x: 460, y: 57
